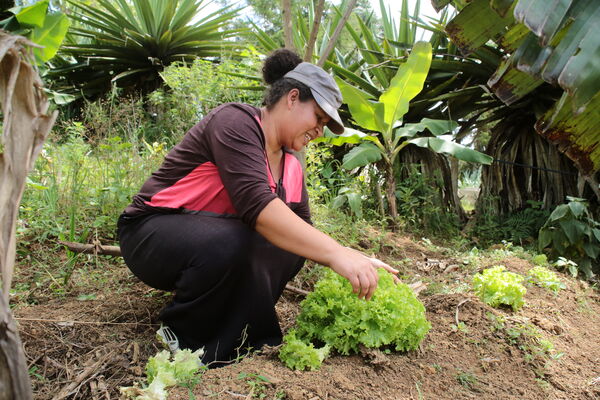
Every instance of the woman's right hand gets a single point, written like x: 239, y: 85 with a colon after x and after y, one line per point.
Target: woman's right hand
x: 360, y: 270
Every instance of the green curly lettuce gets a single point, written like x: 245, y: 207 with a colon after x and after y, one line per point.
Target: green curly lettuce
x: 163, y: 373
x: 543, y: 277
x: 496, y: 286
x: 334, y: 315
x: 300, y: 355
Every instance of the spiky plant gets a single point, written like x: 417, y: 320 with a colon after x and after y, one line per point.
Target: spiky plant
x: 128, y: 42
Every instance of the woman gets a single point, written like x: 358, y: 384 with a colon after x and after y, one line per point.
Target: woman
x: 225, y: 223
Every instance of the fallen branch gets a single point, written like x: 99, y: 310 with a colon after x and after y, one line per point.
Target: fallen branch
x: 95, y: 248
x: 99, y: 249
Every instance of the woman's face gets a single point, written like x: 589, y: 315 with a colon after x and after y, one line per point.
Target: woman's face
x: 306, y: 122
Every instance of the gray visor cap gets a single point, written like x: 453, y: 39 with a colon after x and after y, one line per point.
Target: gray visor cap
x: 324, y: 90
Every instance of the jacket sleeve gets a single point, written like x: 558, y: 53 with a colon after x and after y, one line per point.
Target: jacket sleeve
x: 236, y: 142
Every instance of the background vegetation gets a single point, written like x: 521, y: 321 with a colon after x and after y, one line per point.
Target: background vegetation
x: 139, y: 73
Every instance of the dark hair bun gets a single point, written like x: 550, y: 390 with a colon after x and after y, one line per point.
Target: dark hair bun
x: 278, y: 64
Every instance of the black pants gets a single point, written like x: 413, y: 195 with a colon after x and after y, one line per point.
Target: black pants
x: 226, y: 278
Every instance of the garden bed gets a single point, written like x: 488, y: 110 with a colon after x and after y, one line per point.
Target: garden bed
x: 96, y: 337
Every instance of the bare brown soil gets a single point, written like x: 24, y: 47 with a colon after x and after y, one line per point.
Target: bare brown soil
x: 86, y: 349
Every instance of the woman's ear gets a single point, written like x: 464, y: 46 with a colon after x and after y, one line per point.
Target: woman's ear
x: 292, y: 97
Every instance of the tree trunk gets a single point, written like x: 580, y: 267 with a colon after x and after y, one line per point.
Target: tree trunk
x: 25, y: 127
x: 315, y: 30
x: 286, y: 12
x: 458, y: 209
x: 390, y: 192
x: 337, y: 32
x: 14, y: 376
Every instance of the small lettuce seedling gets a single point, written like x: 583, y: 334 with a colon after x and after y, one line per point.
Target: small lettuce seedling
x: 543, y: 277
x: 162, y: 373
x: 496, y: 286
x: 297, y: 354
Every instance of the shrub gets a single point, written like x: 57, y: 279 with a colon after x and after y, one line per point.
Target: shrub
x: 420, y: 203
x: 496, y: 286
x: 335, y: 316
x: 572, y: 233
x: 540, y: 259
x: 194, y: 89
x: 76, y: 190
x: 517, y: 226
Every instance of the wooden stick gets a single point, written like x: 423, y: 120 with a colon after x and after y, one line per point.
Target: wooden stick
x: 95, y: 369
x: 93, y: 249
x: 296, y: 290
x: 116, y: 251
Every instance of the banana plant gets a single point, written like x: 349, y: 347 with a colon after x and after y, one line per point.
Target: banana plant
x: 38, y: 24
x: 385, y: 117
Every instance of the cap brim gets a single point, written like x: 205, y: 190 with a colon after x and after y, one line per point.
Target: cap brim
x: 335, y: 122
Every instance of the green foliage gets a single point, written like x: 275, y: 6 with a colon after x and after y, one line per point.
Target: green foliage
x: 519, y: 226
x: 334, y: 315
x: 420, y: 206
x: 385, y: 117
x: 38, y: 24
x: 77, y: 190
x: 196, y: 88
x: 540, y: 260
x: 496, y: 286
x: 563, y: 263
x: 538, y: 351
x: 162, y: 373
x: 300, y: 355
x: 545, y: 278
x: 571, y: 232
x: 112, y: 115
x: 129, y: 42
x: 334, y: 186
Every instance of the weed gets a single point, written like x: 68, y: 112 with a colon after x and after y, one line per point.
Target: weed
x: 33, y: 371
x: 420, y: 394
x: 537, y: 350
x: 461, y: 327
x: 280, y: 395
x: 544, y: 384
x: 76, y: 192
x: 256, y: 383
x: 466, y: 379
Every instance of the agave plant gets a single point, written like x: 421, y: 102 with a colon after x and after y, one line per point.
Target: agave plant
x: 128, y: 42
